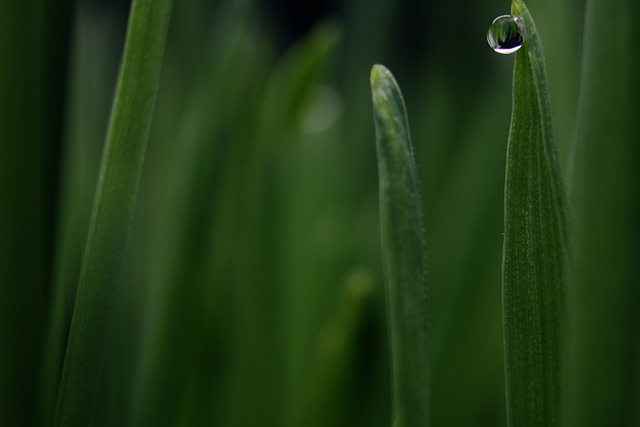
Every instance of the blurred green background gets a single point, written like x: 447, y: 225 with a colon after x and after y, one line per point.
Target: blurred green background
x: 252, y: 292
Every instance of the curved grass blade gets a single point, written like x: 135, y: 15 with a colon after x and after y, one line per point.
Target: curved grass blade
x: 113, y: 209
x: 534, y: 257
x: 403, y: 252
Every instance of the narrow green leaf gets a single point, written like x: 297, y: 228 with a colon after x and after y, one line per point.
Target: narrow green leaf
x: 402, y: 251
x: 534, y: 253
x: 113, y: 209
x: 603, y: 359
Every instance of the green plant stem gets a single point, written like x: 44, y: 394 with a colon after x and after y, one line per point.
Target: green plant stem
x: 402, y: 251
x: 113, y: 209
x: 534, y: 257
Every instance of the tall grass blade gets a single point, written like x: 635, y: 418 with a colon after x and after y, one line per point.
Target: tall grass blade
x: 113, y: 210
x: 534, y: 257
x: 603, y: 351
x: 402, y: 251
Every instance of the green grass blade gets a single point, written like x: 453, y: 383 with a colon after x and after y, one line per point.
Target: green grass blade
x: 603, y: 354
x: 113, y: 209
x: 534, y: 254
x: 403, y: 252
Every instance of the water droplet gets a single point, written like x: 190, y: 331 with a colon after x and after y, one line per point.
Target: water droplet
x: 506, y: 34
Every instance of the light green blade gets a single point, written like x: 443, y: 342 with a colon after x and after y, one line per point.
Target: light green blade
x: 402, y: 251
x: 534, y: 254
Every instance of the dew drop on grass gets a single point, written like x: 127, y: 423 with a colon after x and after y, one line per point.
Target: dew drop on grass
x: 506, y: 34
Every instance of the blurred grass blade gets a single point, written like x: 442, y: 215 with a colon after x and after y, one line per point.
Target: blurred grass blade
x: 403, y: 252
x: 534, y: 257
x: 331, y: 375
x: 604, y: 323
x: 293, y: 82
x: 85, y: 127
x: 296, y: 78
x: 113, y: 209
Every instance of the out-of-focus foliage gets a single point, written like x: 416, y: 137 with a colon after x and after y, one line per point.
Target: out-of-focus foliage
x: 252, y: 288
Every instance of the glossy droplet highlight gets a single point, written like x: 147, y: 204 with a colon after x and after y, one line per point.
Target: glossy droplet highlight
x: 506, y: 34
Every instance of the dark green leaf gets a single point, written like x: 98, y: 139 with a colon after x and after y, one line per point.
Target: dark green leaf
x: 113, y: 210
x: 534, y: 257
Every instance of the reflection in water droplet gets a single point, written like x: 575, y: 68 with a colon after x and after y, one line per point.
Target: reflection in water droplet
x: 506, y: 34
